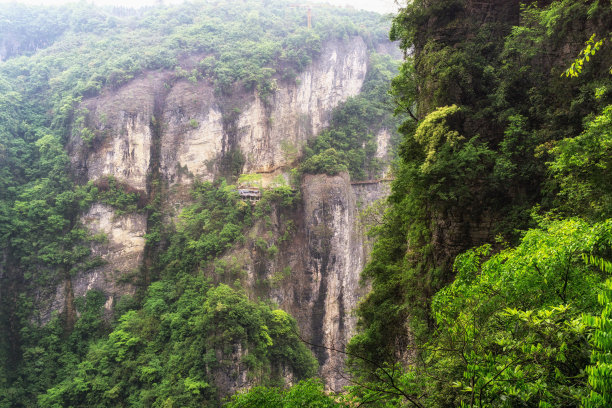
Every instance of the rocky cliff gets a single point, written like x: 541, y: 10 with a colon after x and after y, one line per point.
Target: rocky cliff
x: 176, y: 131
x: 335, y: 257
x: 200, y: 128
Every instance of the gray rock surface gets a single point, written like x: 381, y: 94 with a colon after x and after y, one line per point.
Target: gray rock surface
x: 186, y: 130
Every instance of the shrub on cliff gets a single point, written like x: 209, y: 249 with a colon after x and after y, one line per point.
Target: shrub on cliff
x: 177, y: 349
x: 327, y: 162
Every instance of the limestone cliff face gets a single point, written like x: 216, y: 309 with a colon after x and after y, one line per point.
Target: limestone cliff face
x: 199, y: 129
x: 202, y: 129
x: 316, y: 277
x: 121, y: 248
x: 121, y: 121
x: 181, y: 131
x: 335, y: 258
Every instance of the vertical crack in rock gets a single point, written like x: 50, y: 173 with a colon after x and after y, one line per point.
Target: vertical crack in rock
x: 335, y: 250
x: 232, y: 159
x: 319, y: 238
x: 69, y: 309
x: 154, y: 186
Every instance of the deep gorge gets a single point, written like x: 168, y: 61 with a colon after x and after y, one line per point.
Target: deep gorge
x: 143, y: 152
x: 261, y: 204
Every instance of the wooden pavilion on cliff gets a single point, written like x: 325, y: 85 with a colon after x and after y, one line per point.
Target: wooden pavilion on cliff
x: 250, y: 193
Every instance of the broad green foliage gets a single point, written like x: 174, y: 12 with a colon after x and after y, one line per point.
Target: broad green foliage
x: 583, y: 167
x: 206, y: 228
x: 49, y: 353
x: 189, y: 338
x: 600, y: 372
x: 258, y: 397
x: 328, y: 161
x: 119, y: 196
x: 498, y: 132
x: 282, y: 196
x: 40, y: 231
x: 307, y: 393
x: 434, y: 132
x: 512, y: 325
x: 216, y: 221
x: 509, y: 329
x: 179, y: 346
x: 585, y: 55
x: 485, y: 86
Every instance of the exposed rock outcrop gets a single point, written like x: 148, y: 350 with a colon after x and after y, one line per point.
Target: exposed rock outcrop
x: 316, y: 276
x: 198, y: 128
x: 335, y: 259
x: 121, y: 121
x: 121, y: 249
x: 201, y: 129
x: 181, y: 131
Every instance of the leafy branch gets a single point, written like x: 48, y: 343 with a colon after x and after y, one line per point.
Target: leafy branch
x: 585, y: 55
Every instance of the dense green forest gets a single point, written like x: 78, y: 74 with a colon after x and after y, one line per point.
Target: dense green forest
x: 491, y: 269
x: 490, y: 272
x: 165, y: 345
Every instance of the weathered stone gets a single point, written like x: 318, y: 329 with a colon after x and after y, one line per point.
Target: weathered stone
x: 122, y: 250
x: 265, y: 130
x: 186, y: 129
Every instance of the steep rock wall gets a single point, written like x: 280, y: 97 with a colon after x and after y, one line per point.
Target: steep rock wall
x: 316, y: 275
x: 187, y: 130
x: 121, y: 122
x: 198, y: 128
x: 202, y: 129
x: 334, y: 259
x: 121, y: 250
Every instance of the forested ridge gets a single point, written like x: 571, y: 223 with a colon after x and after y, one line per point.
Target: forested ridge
x: 496, y: 244
x: 183, y: 332
x: 490, y: 270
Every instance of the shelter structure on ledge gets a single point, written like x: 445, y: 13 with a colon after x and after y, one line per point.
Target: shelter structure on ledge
x: 251, y: 194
